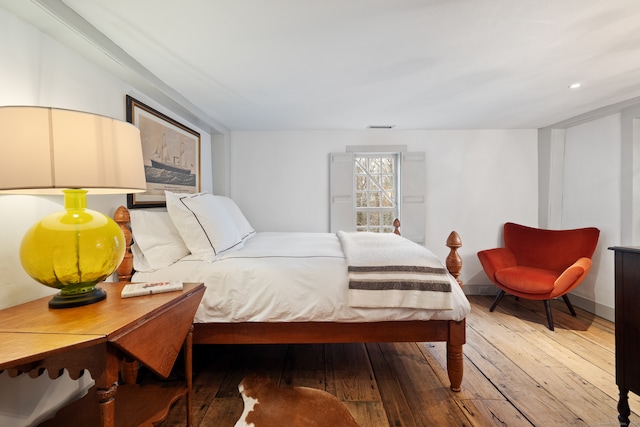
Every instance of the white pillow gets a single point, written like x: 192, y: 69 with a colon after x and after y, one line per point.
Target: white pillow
x: 204, y: 224
x: 156, y: 241
x: 242, y: 225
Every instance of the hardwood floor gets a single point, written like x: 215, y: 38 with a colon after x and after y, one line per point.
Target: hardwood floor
x: 517, y: 373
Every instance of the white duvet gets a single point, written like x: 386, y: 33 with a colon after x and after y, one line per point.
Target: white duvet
x: 286, y: 277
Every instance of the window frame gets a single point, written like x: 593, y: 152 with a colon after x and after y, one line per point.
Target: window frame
x: 396, y: 207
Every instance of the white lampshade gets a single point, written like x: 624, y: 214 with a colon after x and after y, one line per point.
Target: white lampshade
x: 46, y: 150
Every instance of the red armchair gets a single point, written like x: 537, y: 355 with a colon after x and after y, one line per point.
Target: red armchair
x: 539, y: 264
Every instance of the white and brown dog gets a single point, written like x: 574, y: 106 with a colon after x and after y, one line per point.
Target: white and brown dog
x: 267, y: 405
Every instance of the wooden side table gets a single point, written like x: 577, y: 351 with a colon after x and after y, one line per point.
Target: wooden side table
x: 150, y: 329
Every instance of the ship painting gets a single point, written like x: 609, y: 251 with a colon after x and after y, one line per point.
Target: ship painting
x: 166, y: 169
x: 162, y: 160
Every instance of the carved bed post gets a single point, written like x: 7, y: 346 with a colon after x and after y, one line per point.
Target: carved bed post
x: 128, y: 366
x: 396, y: 226
x: 455, y: 357
x: 454, y: 262
x: 125, y: 269
x: 457, y: 330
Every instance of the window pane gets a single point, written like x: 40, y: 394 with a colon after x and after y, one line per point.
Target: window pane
x: 374, y: 166
x: 388, y: 217
x: 374, y: 200
x: 361, y: 219
x: 374, y: 218
x: 387, y: 165
x: 388, y: 183
x: 361, y: 199
x: 387, y: 200
x: 361, y: 182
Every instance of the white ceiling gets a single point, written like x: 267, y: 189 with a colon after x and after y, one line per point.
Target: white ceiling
x: 347, y: 64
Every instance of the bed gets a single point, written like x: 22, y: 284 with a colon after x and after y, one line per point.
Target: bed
x: 307, y: 282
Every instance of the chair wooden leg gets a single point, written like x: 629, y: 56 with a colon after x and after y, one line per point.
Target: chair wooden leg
x: 565, y: 297
x: 547, y: 308
x: 497, y: 300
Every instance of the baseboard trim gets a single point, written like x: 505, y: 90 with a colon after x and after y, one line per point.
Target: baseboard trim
x: 480, y: 289
x: 608, y: 313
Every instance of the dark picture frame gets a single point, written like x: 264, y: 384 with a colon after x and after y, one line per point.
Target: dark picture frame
x: 171, y: 154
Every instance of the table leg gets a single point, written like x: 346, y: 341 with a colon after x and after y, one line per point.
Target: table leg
x: 623, y: 407
x: 107, y: 405
x: 107, y: 386
x: 188, y: 362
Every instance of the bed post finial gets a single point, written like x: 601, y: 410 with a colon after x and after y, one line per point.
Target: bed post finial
x: 396, y: 225
x: 125, y: 269
x: 454, y: 262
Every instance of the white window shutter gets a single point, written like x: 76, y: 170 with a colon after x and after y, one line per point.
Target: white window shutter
x: 341, y: 192
x: 414, y: 185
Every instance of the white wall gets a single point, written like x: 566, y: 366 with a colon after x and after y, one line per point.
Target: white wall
x: 476, y: 181
x: 592, y: 170
x: 591, y: 197
x: 36, y: 70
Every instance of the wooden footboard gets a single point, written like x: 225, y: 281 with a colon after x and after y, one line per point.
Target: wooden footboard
x: 449, y: 331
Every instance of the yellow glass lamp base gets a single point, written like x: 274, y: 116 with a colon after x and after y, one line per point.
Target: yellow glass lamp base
x: 73, y: 250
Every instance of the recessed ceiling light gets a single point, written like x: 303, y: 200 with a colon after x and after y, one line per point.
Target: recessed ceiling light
x: 575, y: 85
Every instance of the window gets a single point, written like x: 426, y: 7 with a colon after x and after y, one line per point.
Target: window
x: 376, y: 191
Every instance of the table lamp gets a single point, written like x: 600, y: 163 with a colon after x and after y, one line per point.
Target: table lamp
x: 54, y: 151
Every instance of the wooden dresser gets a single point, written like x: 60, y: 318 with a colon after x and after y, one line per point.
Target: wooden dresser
x: 98, y: 337
x: 627, y: 281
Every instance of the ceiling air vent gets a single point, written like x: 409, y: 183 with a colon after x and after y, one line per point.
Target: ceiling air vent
x: 381, y: 126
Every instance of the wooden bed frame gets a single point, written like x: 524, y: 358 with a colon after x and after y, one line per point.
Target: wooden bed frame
x: 449, y: 331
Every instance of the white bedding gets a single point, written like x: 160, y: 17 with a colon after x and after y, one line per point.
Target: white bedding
x: 286, y: 277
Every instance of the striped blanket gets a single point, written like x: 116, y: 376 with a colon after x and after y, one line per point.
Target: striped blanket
x: 386, y: 270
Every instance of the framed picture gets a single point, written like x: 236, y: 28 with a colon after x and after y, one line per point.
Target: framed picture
x: 171, y: 153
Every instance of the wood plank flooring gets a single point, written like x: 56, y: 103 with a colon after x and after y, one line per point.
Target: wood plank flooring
x: 517, y: 373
